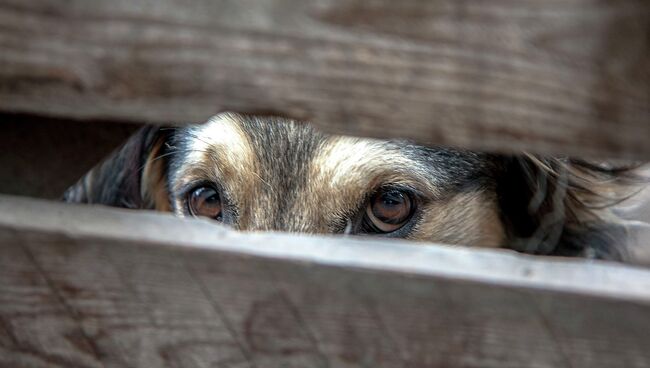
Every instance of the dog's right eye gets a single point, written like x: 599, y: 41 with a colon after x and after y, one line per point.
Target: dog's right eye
x: 205, y: 201
x: 389, y: 210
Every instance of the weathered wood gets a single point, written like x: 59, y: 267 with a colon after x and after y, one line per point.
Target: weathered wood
x: 99, y: 287
x: 545, y: 76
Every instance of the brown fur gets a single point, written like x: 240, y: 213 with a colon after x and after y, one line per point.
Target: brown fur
x: 274, y: 174
x: 153, y: 184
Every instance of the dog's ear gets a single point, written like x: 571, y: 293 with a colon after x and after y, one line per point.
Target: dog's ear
x: 562, y: 206
x: 133, y: 176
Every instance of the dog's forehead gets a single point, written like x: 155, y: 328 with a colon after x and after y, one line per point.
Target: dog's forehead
x: 276, y: 146
x: 246, y: 146
x: 285, y: 153
x: 251, y: 154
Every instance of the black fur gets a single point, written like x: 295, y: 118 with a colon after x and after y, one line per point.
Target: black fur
x: 117, y: 180
x: 548, y: 206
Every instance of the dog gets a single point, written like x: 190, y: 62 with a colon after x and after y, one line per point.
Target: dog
x: 273, y: 174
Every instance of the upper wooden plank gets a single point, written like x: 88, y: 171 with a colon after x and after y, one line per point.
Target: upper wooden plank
x: 561, y: 77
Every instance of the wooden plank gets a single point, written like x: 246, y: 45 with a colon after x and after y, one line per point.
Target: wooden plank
x: 545, y: 76
x: 91, y: 287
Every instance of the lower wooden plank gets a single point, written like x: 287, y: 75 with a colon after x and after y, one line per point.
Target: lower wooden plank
x: 97, y: 287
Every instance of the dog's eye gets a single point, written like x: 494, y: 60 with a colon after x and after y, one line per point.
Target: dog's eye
x: 205, y: 201
x: 389, y: 210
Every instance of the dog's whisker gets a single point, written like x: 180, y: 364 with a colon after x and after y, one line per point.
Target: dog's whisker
x: 348, y: 227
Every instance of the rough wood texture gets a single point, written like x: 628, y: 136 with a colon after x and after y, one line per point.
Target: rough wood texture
x: 546, y: 76
x: 98, y: 287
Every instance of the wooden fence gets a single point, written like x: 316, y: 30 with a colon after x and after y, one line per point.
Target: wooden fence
x: 546, y: 76
x: 84, y: 286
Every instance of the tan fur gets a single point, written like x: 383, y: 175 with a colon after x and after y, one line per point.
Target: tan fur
x: 467, y: 218
x: 152, y: 187
x: 277, y: 174
x: 340, y: 176
x: 222, y: 153
x: 345, y: 170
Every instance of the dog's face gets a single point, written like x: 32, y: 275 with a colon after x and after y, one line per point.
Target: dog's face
x: 273, y: 174
x: 270, y: 174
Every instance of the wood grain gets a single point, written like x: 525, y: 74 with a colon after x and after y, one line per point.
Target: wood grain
x: 560, y: 77
x: 84, y: 286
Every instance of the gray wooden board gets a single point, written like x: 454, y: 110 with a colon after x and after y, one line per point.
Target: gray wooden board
x: 559, y: 77
x: 84, y: 286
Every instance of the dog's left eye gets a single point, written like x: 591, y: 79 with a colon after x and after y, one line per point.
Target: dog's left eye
x: 389, y: 210
x: 205, y: 201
